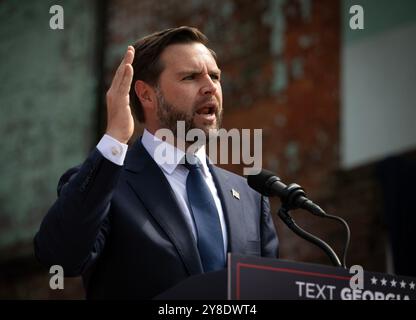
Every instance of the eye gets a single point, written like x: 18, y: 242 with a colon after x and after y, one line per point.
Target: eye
x: 190, y: 77
x: 215, y: 77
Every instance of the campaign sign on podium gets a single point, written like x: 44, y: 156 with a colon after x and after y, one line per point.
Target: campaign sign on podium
x: 262, y: 278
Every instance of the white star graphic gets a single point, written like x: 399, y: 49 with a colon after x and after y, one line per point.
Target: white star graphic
x: 383, y: 282
x: 373, y: 280
x: 402, y: 284
x: 393, y: 283
x: 412, y: 285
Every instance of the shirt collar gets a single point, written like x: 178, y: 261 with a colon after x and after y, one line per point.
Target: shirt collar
x: 167, y: 156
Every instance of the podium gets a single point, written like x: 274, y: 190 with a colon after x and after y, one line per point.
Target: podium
x: 255, y: 278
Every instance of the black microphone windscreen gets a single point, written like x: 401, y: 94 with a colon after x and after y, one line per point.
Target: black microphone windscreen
x: 258, y: 181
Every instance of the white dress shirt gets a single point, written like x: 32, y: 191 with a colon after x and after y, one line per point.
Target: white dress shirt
x: 176, y: 174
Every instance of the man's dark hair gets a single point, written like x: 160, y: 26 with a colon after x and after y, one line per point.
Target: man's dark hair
x: 147, y: 65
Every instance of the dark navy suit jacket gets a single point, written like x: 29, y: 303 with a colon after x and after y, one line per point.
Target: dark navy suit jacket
x: 122, y: 230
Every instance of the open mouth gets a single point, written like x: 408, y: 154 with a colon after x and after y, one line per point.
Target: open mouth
x: 209, y: 109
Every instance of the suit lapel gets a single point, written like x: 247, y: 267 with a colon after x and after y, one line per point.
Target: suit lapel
x: 148, y: 182
x: 233, y: 210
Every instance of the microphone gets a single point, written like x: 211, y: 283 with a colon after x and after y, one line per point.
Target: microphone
x: 293, y: 197
x: 268, y: 184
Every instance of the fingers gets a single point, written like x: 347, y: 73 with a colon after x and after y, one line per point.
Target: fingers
x: 129, y: 56
x: 125, y: 83
x: 121, y: 70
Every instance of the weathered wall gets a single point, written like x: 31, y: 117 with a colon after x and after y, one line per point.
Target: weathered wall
x: 47, y: 99
x: 48, y: 117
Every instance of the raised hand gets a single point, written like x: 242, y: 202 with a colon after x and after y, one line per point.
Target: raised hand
x: 120, y: 123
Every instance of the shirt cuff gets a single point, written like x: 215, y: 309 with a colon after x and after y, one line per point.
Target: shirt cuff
x: 112, y: 149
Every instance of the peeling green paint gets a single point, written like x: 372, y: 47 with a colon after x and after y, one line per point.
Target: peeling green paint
x: 297, y: 68
x: 227, y: 9
x: 305, y: 41
x: 47, y: 98
x: 292, y: 156
x: 275, y: 18
x: 280, y: 79
x: 306, y: 9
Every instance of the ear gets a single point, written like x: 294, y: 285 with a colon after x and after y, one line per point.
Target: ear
x: 145, y: 93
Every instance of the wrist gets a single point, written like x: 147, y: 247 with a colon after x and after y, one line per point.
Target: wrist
x: 118, y: 136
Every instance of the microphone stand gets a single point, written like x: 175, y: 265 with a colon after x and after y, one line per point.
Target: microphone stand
x: 295, y: 191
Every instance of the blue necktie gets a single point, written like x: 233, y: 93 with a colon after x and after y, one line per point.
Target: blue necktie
x: 205, y: 214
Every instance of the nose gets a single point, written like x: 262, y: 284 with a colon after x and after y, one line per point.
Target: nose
x: 209, y: 87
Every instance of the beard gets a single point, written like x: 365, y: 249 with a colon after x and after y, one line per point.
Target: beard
x: 169, y: 115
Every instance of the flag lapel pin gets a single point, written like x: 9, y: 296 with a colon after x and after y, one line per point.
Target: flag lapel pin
x: 235, y: 194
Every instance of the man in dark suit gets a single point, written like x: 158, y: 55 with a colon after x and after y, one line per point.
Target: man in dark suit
x: 132, y: 225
